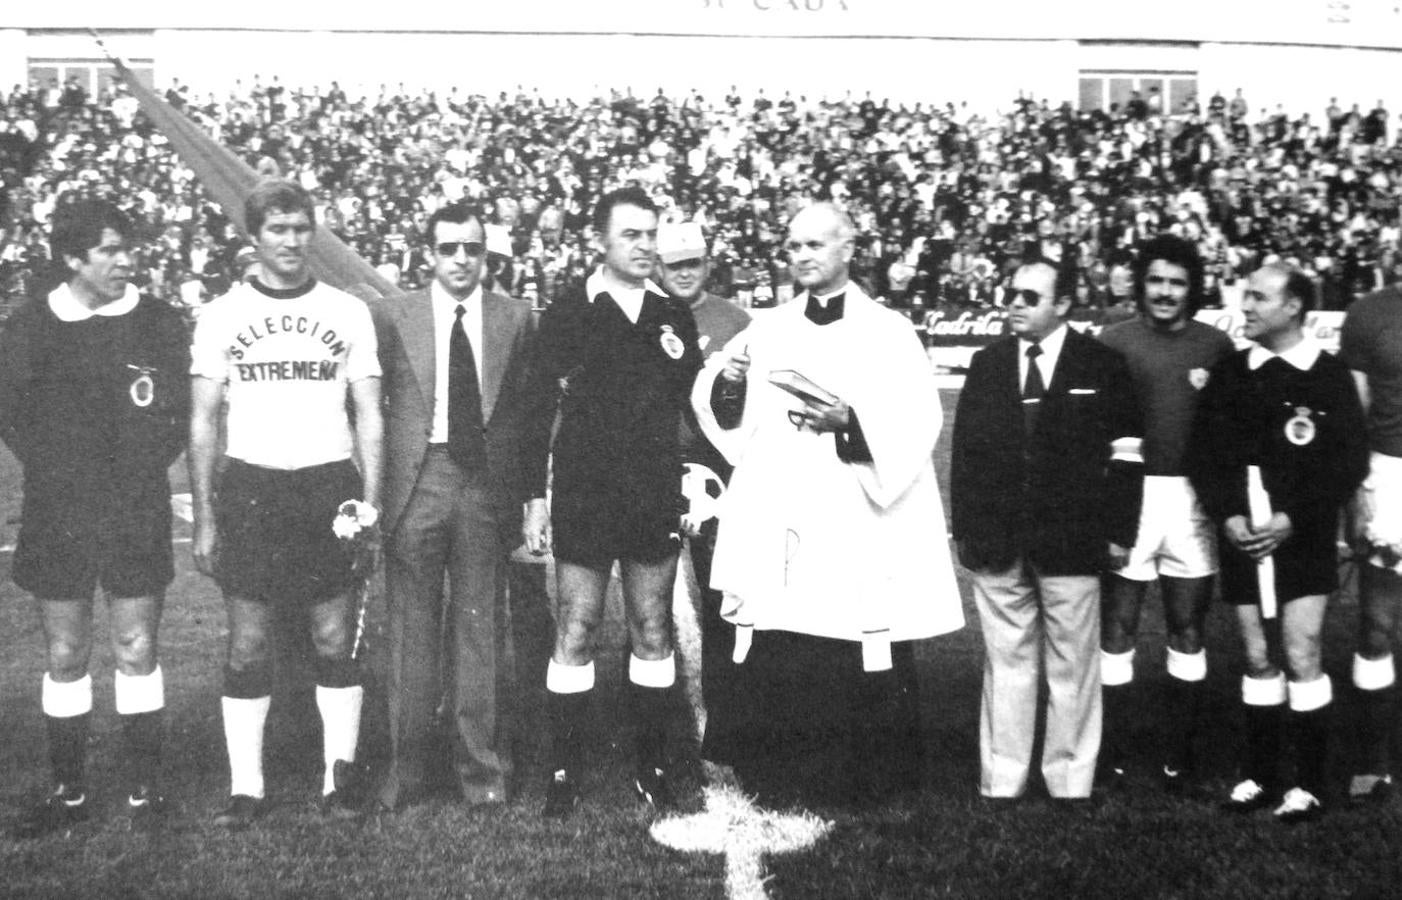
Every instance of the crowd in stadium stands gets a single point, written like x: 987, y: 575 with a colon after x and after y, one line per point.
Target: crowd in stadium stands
x: 945, y: 200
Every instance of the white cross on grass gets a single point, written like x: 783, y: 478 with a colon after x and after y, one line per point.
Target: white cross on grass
x: 732, y: 825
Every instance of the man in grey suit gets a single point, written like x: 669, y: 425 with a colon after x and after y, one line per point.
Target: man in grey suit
x: 454, y: 359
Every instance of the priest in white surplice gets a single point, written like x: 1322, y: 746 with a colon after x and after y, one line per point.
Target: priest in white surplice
x: 832, y: 546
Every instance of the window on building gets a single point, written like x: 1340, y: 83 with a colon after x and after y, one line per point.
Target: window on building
x: 1108, y: 90
x: 93, y: 75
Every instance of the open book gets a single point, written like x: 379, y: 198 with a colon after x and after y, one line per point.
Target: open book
x: 800, y: 386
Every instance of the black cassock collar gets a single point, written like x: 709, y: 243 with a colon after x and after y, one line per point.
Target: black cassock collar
x: 824, y: 315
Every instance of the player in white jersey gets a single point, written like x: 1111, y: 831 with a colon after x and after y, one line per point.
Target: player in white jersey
x: 285, y: 353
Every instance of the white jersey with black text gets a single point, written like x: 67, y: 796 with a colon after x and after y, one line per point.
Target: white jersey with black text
x: 286, y: 358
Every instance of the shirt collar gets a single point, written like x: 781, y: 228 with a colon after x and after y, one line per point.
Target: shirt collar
x: 291, y: 293
x: 594, y: 285
x: 68, y: 308
x: 446, y: 301
x: 1051, y: 344
x: 1301, y: 356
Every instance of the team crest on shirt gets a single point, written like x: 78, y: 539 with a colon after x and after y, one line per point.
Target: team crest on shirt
x: 1300, y: 429
x: 671, y: 344
x: 142, y: 389
x: 1198, y: 378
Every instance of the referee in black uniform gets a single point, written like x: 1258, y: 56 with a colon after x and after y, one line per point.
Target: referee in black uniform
x: 1278, y: 445
x: 94, y: 403
x: 618, y: 361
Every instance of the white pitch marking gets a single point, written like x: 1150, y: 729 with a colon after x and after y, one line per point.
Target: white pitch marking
x: 734, y: 826
x: 731, y: 824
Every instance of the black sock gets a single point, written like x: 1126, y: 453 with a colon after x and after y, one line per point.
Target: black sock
x: 568, y: 714
x: 650, y: 708
x: 1114, y: 741
x: 1309, y: 732
x: 1183, y: 705
x: 68, y: 748
x: 1263, y: 740
x: 142, y: 735
x: 1375, y: 717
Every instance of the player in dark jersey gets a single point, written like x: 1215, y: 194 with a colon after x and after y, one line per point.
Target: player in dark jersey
x: 94, y: 403
x: 1169, y: 357
x: 1371, y: 346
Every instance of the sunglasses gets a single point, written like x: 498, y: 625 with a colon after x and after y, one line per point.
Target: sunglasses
x: 451, y: 248
x: 1026, y: 296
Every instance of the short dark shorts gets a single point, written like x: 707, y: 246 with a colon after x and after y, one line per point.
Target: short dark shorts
x: 275, y: 537
x: 1306, y: 565
x: 65, y: 551
x: 595, y: 529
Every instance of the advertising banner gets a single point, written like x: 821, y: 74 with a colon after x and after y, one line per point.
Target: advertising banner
x: 953, y: 334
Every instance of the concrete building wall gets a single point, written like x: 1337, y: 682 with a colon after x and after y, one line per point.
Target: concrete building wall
x: 1292, y: 52
x: 976, y: 71
x: 14, y: 61
x: 1374, y: 23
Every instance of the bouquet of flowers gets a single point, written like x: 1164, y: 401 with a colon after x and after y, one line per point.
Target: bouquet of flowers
x: 356, y: 525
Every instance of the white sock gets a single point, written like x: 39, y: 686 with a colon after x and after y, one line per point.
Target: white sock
x: 1373, y: 674
x: 1190, y: 667
x: 340, y: 727
x: 1307, y: 696
x: 563, y: 679
x: 1116, y: 668
x: 1268, y: 690
x: 65, y: 699
x: 653, y: 673
x: 139, y: 693
x: 243, y: 734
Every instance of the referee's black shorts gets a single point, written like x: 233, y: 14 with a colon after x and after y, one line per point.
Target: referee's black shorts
x: 594, y: 528
x: 275, y: 537
x: 71, y: 542
x: 1306, y: 565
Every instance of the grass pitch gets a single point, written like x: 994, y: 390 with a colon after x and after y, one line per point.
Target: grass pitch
x: 942, y: 842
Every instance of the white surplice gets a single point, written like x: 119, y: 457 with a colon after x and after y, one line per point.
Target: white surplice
x: 811, y: 544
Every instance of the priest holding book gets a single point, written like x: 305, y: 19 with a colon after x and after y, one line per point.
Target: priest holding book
x: 830, y: 549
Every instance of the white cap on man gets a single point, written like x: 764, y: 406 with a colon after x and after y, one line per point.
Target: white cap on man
x: 498, y: 240
x: 681, y: 241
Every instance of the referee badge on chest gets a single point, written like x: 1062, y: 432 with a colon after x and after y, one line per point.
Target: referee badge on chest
x: 671, y: 344
x: 142, y: 390
x: 1300, y: 429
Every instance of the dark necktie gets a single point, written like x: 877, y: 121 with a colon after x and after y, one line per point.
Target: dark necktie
x: 1033, y: 389
x: 466, y: 444
x: 823, y: 315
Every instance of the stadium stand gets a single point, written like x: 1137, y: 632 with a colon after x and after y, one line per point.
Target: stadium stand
x: 945, y: 200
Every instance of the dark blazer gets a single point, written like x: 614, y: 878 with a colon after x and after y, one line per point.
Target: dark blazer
x: 1055, y: 498
x: 404, y: 327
